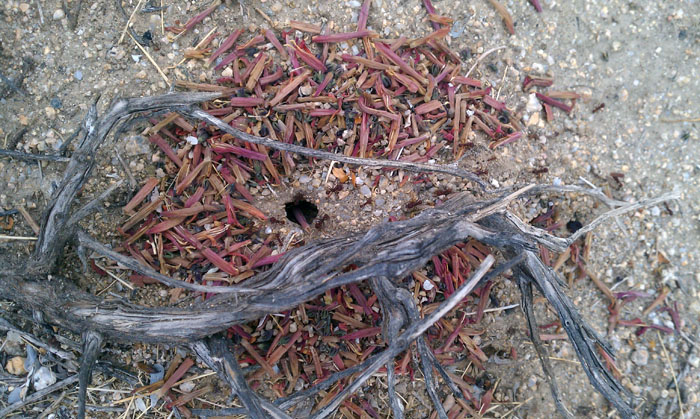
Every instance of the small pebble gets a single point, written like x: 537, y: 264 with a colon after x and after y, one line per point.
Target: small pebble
x: 78, y: 75
x: 56, y: 103
x: 43, y: 378
x: 305, y: 90
x: 365, y: 191
x: 304, y: 179
x: 15, y: 366
x: 228, y: 72
x: 13, y: 344
x: 640, y: 357
x: 59, y: 14
x: 187, y: 387
x: 533, y: 105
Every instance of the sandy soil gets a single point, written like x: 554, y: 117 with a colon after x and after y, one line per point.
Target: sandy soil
x: 639, y: 59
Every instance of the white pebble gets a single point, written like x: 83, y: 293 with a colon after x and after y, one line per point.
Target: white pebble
x: 427, y: 285
x: 533, y: 105
x: 187, y: 387
x: 640, y: 356
x: 365, y: 191
x: 694, y: 361
x: 43, y: 378
x: 59, y: 14
x: 305, y: 90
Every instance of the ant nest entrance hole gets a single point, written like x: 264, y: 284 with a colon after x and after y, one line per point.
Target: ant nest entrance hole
x: 301, y: 211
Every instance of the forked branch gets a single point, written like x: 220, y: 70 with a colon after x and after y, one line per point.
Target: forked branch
x: 384, y: 254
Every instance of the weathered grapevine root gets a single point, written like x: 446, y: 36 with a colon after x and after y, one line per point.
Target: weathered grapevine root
x: 384, y: 254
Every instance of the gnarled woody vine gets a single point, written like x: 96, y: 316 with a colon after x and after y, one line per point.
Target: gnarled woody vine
x: 383, y: 254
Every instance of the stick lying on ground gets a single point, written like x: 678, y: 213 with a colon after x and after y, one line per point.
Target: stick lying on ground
x: 384, y: 254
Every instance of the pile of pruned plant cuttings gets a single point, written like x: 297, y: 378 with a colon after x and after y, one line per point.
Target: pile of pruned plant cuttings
x: 351, y: 94
x: 314, y: 320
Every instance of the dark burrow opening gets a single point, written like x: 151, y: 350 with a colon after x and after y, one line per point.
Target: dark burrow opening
x: 301, y: 211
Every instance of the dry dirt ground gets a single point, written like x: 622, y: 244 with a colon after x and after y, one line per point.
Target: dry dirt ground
x: 638, y: 58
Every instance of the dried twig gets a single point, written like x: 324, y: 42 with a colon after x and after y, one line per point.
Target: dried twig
x: 74, y: 14
x: 55, y: 230
x: 527, y: 304
x: 481, y: 58
x: 584, y: 339
x: 29, y: 219
x: 560, y: 244
x: 673, y: 373
x: 155, y: 64
x: 92, y: 244
x: 305, y: 151
x: 92, y: 344
x: 410, y: 334
x: 30, y: 157
x: 218, y: 357
x: 128, y: 21
x: 507, y: 18
x: 93, y: 204
x: 21, y: 238
x: 38, y: 395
